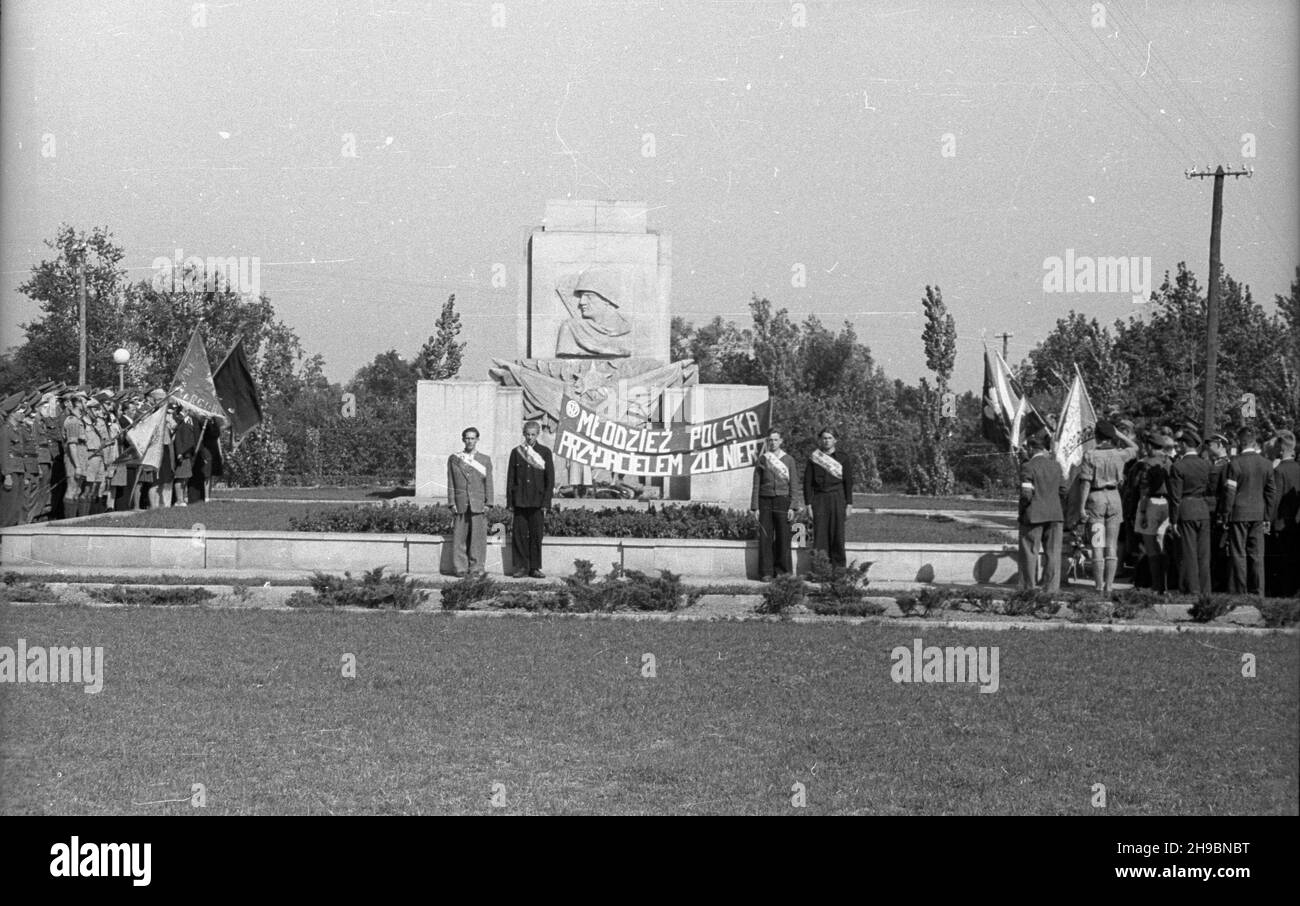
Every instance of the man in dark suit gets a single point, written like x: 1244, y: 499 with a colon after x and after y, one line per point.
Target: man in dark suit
x: 1220, y: 565
x: 1191, y: 503
x: 469, y: 494
x: 1041, y: 518
x: 828, y: 492
x: 1284, y: 541
x: 530, y: 482
x: 1248, y: 501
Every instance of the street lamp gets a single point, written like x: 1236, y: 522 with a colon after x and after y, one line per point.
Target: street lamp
x: 121, y: 356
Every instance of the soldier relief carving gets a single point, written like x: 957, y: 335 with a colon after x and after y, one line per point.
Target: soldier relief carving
x: 595, y: 326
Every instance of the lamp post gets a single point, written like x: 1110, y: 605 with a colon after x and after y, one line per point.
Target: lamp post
x: 121, y: 356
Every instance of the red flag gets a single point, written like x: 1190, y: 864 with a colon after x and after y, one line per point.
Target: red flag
x: 193, y: 387
x: 238, y: 392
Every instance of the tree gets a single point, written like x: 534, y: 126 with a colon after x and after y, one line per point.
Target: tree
x: 776, y: 346
x: 439, y: 359
x: 386, y: 387
x: 51, y: 348
x: 1075, y: 341
x: 933, y: 475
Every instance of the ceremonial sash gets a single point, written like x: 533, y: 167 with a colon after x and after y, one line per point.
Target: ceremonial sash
x: 531, y: 456
x: 828, y: 462
x: 776, y: 466
x: 469, y: 460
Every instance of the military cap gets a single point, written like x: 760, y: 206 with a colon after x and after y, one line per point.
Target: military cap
x: 10, y: 403
x: 1189, y: 437
x: 1218, y: 439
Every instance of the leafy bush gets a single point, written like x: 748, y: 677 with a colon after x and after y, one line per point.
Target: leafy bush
x: 120, y: 594
x: 840, y: 583
x: 373, y: 590
x: 260, y: 458
x: 463, y: 592
x: 846, y: 608
x: 1091, y: 610
x: 1210, y: 607
x: 1279, y: 611
x: 1129, y: 601
x: 630, y: 589
x: 14, y: 589
x: 782, y: 594
x: 927, y: 600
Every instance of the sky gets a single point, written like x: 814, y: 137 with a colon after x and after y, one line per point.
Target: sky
x: 872, y: 147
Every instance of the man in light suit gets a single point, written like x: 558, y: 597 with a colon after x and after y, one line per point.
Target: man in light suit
x: 469, y: 494
x: 530, y: 485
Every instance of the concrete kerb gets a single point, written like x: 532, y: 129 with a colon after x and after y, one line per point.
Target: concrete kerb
x: 692, y: 614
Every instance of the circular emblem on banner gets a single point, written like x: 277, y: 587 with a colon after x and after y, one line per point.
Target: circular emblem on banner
x: 572, y: 409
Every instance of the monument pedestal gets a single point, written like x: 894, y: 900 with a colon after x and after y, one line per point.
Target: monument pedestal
x: 594, y: 325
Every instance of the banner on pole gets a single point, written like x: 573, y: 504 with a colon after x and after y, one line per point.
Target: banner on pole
x: 734, y: 441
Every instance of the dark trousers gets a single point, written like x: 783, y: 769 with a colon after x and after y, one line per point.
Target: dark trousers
x: 1282, y: 553
x: 11, y: 502
x: 1194, y: 556
x: 773, y: 536
x: 1246, y: 547
x: 828, y: 525
x: 526, y: 538
x: 38, y: 502
x: 1033, y: 537
x: 1220, y: 563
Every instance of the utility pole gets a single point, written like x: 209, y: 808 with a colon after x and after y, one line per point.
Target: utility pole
x: 81, y: 296
x: 1212, y: 296
x: 1005, y: 337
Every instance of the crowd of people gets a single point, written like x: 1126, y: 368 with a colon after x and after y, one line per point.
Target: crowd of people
x: 64, y: 453
x: 1169, y: 510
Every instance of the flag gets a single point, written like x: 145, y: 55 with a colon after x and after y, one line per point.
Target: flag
x: 146, y: 436
x: 1008, y: 415
x: 1074, y: 437
x: 1074, y: 429
x: 238, y: 393
x: 192, y: 387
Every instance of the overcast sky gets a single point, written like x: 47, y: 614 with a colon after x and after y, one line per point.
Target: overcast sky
x: 880, y: 146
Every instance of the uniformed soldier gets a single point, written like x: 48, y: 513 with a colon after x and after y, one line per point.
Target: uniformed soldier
x: 1041, y: 517
x: 1099, y: 477
x: 1283, y: 543
x: 11, y: 461
x: 1191, y: 508
x: 1249, y: 498
x: 1216, y: 446
x: 31, y: 458
x: 74, y: 453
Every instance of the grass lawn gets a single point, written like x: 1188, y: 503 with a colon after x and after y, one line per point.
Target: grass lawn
x: 253, y: 705
x: 909, y: 502
x: 371, y: 492
x: 259, y: 516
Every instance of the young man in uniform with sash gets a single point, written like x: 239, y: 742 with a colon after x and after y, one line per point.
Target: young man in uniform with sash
x: 530, y: 482
x: 828, y: 492
x: 772, y: 504
x: 469, y: 494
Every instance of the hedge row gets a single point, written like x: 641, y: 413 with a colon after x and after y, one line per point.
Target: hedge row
x: 667, y: 521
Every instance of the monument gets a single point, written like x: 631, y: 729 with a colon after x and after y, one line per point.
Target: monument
x: 594, y: 368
